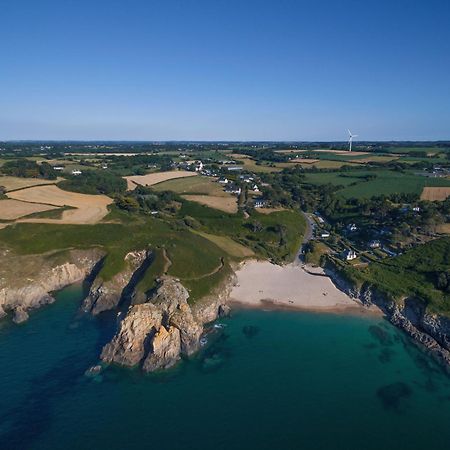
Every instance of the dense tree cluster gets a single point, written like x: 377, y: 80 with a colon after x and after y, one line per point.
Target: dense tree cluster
x: 95, y: 182
x: 26, y: 168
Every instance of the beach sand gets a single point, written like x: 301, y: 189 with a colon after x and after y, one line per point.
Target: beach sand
x: 262, y: 284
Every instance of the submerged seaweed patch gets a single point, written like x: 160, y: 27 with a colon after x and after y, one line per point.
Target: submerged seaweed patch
x: 250, y: 331
x: 382, y: 336
x: 392, y: 395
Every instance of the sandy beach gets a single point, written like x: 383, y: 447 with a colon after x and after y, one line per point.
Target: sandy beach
x: 262, y: 284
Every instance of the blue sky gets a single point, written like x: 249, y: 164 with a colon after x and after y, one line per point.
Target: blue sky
x: 224, y: 69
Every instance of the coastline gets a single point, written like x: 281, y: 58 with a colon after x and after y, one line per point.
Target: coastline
x: 263, y: 285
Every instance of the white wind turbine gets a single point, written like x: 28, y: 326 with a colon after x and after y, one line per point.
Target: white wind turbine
x: 351, y: 139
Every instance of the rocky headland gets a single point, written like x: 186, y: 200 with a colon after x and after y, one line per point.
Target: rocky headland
x: 27, y: 281
x: 431, y: 331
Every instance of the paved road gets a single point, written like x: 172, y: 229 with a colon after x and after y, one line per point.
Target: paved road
x: 306, y: 238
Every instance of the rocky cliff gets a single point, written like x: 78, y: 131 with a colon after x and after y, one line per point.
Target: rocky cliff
x: 410, y: 314
x: 26, y: 282
x: 105, y: 295
x: 156, y: 334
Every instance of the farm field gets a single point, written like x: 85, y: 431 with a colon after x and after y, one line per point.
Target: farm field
x: 155, y: 178
x: 251, y: 165
x: 88, y: 209
x: 192, y: 185
x: 270, y: 210
x: 13, y: 209
x: 379, y: 159
x: 386, y: 182
x: 226, y: 204
x: 13, y: 183
x: 435, y: 193
x: 444, y: 228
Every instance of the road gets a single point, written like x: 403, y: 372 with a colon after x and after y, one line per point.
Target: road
x: 309, y: 232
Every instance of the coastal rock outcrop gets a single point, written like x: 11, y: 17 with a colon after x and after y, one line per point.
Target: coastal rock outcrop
x: 133, y: 340
x: 105, y: 295
x: 26, y: 282
x: 429, y: 330
x: 157, y: 333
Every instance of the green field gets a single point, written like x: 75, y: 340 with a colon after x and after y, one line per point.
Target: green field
x: 192, y: 185
x: 386, y: 182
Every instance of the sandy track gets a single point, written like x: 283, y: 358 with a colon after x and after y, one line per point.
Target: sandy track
x: 260, y: 283
x: 226, y: 204
x: 155, y: 178
x: 12, y: 183
x: 13, y: 209
x: 435, y: 193
x: 89, y: 208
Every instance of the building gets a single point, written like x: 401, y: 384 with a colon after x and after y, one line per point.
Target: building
x: 58, y: 168
x: 223, y: 180
x: 233, y: 189
x: 349, y: 255
x: 259, y: 203
x: 255, y: 188
x: 76, y: 172
x: 352, y: 227
x: 324, y: 234
x: 198, y: 166
x: 374, y: 244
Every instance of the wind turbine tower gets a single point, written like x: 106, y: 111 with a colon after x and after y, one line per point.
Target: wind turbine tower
x: 351, y: 136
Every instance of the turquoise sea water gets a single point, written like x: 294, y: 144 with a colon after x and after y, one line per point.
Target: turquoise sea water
x: 268, y: 380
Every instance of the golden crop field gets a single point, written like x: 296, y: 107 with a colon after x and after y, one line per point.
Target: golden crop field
x: 13, y: 209
x: 435, y: 193
x: 155, y: 178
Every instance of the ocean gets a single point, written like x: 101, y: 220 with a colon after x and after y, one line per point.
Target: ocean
x: 265, y: 380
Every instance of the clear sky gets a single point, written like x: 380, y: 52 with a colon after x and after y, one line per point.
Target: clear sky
x: 224, y: 69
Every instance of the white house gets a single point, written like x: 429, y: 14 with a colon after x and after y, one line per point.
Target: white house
x: 198, y: 166
x: 349, y: 255
x: 76, y: 172
x: 324, y: 234
x: 352, y: 227
x: 375, y: 244
x: 259, y: 203
x: 255, y: 188
x: 223, y: 180
x: 58, y: 168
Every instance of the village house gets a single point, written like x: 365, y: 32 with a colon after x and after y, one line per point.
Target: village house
x: 76, y: 172
x: 232, y: 189
x: 349, y: 255
x: 259, y: 203
x: 375, y: 243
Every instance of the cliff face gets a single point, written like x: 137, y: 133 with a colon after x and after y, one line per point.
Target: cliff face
x: 157, y: 333
x: 106, y: 295
x: 26, y: 282
x: 430, y: 330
